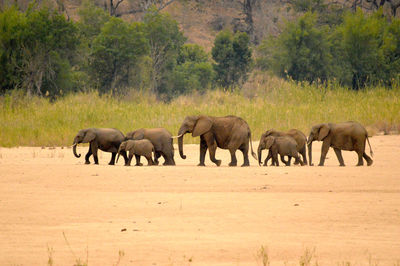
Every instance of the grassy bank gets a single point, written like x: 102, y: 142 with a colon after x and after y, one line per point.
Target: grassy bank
x: 264, y: 104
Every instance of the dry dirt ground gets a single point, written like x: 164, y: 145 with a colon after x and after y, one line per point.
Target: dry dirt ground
x: 53, y: 207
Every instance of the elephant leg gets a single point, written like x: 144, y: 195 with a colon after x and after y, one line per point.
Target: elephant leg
x: 368, y: 159
x: 297, y: 157
x: 360, y: 158
x: 138, y: 163
x: 275, y: 158
x: 156, y: 156
x: 245, y: 151
x: 149, y: 160
x: 126, y: 159
x: 212, y: 147
x: 203, y: 150
x: 88, y: 154
x: 324, y: 151
x: 338, y: 153
x: 269, y: 156
x: 112, y: 161
x: 287, y: 163
x: 303, y: 153
x: 94, y: 148
x: 233, y: 157
x: 169, y: 158
x: 129, y: 159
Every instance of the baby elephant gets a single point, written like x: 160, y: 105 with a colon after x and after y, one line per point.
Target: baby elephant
x: 285, y: 146
x: 138, y: 148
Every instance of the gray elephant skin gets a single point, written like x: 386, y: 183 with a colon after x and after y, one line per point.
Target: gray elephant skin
x: 284, y: 146
x: 348, y: 136
x: 160, y: 138
x: 141, y: 147
x: 228, y: 132
x: 105, y: 139
x: 296, y: 134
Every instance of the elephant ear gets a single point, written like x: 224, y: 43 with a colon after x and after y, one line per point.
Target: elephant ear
x: 323, y: 132
x: 203, y: 125
x: 138, y: 135
x: 269, y: 141
x: 129, y: 145
x: 89, y: 136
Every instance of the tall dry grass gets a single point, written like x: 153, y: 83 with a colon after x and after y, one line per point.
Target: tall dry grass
x: 264, y: 102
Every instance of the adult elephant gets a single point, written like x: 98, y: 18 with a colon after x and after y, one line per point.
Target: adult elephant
x: 348, y: 136
x: 228, y: 132
x: 296, y: 134
x: 160, y: 138
x: 105, y: 139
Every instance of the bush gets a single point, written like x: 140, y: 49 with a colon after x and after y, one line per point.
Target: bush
x: 232, y: 56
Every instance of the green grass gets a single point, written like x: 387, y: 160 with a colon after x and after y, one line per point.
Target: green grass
x: 264, y: 102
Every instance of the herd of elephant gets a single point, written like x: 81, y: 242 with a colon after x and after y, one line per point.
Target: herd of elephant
x: 229, y: 132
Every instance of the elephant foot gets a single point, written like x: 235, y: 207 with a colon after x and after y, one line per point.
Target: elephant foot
x: 87, y: 162
x: 342, y: 165
x: 127, y: 164
x: 232, y: 164
x: 201, y: 164
x: 110, y: 163
x: 218, y: 162
x: 320, y: 164
x: 369, y: 163
x: 156, y: 162
x: 245, y: 165
x: 139, y: 164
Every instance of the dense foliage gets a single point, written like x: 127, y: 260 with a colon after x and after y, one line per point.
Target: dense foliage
x: 43, y: 53
x: 233, y: 58
x: 361, y: 50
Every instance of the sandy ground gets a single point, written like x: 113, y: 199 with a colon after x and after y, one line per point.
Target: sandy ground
x: 52, y: 206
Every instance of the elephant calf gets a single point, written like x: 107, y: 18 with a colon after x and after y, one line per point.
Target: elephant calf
x: 138, y: 148
x: 285, y: 146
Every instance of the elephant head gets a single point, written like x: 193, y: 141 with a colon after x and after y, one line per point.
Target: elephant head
x: 197, y: 125
x: 318, y: 132
x: 266, y: 142
x: 137, y: 134
x: 83, y: 136
x: 124, y: 146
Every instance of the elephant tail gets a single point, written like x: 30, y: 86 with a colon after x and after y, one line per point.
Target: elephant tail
x: 251, y: 146
x: 370, y: 150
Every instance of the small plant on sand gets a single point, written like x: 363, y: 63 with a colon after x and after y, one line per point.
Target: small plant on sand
x: 121, y: 254
x: 78, y: 261
x: 307, y: 257
x: 50, y: 252
x: 262, y: 255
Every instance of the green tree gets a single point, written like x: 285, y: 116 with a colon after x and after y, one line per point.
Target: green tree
x: 193, y: 72
x: 391, y: 52
x: 361, y: 38
x: 232, y: 56
x: 301, y: 52
x: 165, y: 40
x: 114, y: 52
x: 37, y: 50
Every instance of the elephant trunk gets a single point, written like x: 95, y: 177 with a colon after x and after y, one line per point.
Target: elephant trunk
x: 259, y: 155
x: 119, y: 153
x: 309, y: 146
x: 181, y: 133
x: 74, y: 150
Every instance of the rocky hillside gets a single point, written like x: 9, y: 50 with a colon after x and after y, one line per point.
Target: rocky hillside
x: 201, y: 20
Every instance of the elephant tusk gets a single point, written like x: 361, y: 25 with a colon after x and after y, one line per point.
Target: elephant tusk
x: 175, y: 137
